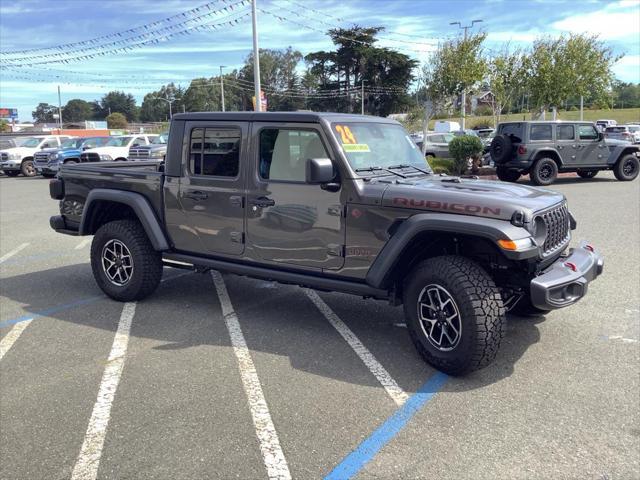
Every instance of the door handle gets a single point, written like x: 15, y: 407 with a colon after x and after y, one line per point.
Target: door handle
x: 263, y: 202
x: 196, y: 195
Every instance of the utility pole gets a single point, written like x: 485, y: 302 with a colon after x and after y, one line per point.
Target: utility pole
x: 581, y: 108
x: 362, y: 96
x: 256, y: 57
x: 222, y: 87
x: 59, y: 110
x: 464, y: 92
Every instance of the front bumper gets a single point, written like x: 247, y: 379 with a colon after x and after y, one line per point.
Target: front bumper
x: 560, y: 285
x: 10, y: 165
x: 47, y: 168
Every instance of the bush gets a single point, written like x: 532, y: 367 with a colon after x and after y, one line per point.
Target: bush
x: 116, y: 121
x: 463, y: 148
x: 483, y: 111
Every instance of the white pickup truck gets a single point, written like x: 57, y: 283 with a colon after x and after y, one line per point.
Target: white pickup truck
x: 16, y: 160
x: 116, y: 149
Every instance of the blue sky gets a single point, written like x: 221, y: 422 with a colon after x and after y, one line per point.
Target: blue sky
x: 27, y: 24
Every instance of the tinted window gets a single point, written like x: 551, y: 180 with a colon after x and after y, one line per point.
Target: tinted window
x: 284, y: 153
x: 52, y: 143
x: 616, y: 129
x: 540, y: 132
x: 513, y: 130
x: 215, y: 152
x: 587, y: 132
x: 565, y: 132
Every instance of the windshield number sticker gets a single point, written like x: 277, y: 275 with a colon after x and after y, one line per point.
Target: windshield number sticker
x: 356, y: 147
x: 346, y: 134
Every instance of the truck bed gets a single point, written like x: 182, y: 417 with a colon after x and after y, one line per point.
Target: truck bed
x: 145, y: 178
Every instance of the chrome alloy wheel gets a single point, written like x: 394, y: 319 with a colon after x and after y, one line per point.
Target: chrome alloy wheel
x: 439, y: 317
x: 117, y: 262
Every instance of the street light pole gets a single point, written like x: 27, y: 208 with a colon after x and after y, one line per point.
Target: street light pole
x: 362, y: 96
x: 256, y: 57
x: 464, y: 92
x: 59, y: 110
x: 222, y: 87
x: 169, y: 102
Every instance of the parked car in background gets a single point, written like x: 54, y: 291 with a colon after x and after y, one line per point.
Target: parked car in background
x: 443, y: 126
x: 437, y: 145
x: 542, y: 149
x: 47, y: 162
x: 630, y: 133
x: 16, y: 160
x: 156, y: 150
x: 116, y: 149
x: 602, y: 124
x: 467, y: 131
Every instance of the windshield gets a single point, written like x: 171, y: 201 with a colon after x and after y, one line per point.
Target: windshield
x: 634, y: 129
x: 160, y: 139
x: 118, y: 141
x: 71, y: 143
x: 31, y: 142
x: 368, y: 145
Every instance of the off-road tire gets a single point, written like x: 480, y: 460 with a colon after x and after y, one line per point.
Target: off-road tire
x: 587, y: 173
x: 544, y: 172
x: 501, y: 149
x: 28, y: 169
x: 627, y: 168
x: 147, y: 263
x: 482, y: 314
x: 12, y: 173
x: 525, y: 309
x: 507, y: 175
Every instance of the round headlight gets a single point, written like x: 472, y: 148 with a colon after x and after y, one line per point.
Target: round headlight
x: 53, y: 156
x: 539, y: 230
x: 14, y: 156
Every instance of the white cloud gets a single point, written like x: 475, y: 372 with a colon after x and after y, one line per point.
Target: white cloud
x: 628, y: 67
x: 615, y: 21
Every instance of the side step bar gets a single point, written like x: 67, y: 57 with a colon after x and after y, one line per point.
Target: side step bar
x: 178, y: 260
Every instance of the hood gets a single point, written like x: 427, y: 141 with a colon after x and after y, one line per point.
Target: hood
x: 467, y: 196
x: 21, y: 150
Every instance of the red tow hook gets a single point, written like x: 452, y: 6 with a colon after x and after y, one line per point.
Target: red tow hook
x: 571, y: 265
x: 589, y: 247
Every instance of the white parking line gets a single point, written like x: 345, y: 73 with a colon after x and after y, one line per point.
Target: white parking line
x: 86, y: 467
x: 10, y: 338
x: 10, y: 254
x: 83, y: 243
x: 272, y: 455
x: 393, y: 389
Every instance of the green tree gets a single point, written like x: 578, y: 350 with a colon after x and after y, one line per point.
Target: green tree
x: 44, y: 113
x: 116, y: 121
x: 626, y: 95
x: 506, y: 78
x: 120, y: 102
x: 337, y: 76
x: 4, y: 126
x: 566, y: 66
x: 77, y: 110
x: 155, y: 107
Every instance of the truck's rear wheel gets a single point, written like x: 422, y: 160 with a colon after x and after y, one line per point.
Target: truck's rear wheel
x: 124, y: 263
x: 627, y: 168
x: 507, y: 175
x: 454, y: 313
x: 544, y: 172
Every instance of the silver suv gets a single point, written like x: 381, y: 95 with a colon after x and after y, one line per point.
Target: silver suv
x: 542, y: 149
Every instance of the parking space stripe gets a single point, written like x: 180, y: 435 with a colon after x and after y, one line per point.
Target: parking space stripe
x: 83, y: 243
x: 10, y: 254
x: 273, y: 457
x: 86, y: 467
x: 367, y: 450
x: 10, y: 338
x: 390, y: 385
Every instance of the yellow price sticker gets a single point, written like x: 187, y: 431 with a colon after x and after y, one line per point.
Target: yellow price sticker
x: 356, y: 147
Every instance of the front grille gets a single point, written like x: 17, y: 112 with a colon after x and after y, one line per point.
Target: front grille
x: 137, y: 153
x: 4, y: 156
x: 41, y: 158
x: 556, y: 220
x: 90, y: 157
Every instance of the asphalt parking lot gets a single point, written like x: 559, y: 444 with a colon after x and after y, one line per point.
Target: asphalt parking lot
x: 328, y: 386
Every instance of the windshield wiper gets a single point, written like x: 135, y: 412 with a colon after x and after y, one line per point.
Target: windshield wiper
x: 402, y: 165
x: 380, y: 169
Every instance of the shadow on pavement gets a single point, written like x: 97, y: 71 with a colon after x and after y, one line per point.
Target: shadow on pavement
x: 276, y: 319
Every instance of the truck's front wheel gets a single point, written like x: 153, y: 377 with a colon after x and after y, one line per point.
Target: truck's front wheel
x: 454, y: 313
x: 627, y: 168
x: 124, y: 263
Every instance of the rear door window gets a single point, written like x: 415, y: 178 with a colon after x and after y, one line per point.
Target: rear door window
x: 565, y: 132
x: 215, y: 152
x: 540, y: 132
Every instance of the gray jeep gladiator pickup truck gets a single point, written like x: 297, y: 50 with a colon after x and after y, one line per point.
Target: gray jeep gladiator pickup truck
x: 335, y: 203
x: 542, y: 149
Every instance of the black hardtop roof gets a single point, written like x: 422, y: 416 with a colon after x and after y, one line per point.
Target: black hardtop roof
x: 548, y: 121
x: 302, y: 117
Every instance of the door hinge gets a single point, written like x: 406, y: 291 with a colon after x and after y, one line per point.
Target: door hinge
x: 335, y: 250
x: 237, y: 237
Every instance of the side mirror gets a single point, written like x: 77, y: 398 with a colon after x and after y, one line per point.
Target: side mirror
x: 319, y: 171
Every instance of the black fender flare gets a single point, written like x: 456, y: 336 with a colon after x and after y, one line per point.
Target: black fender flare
x: 140, y: 207
x: 489, y: 228
x: 546, y: 152
x: 620, y: 151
